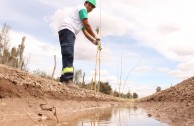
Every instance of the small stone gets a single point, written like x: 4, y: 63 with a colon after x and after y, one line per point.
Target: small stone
x: 189, y: 104
x: 3, y: 104
x: 65, y: 123
x: 15, y: 82
x: 39, y: 114
x: 44, y: 118
x: 149, y: 115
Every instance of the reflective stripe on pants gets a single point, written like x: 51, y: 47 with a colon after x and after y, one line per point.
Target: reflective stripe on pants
x: 67, y: 70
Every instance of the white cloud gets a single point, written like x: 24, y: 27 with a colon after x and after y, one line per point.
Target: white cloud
x: 41, y: 53
x: 57, y: 18
x: 167, y: 26
x: 162, y: 25
x: 184, y: 70
x: 110, y: 23
x: 142, y: 69
x: 33, y: 45
x: 60, y: 3
x: 86, y: 51
x: 103, y: 72
x: 10, y: 12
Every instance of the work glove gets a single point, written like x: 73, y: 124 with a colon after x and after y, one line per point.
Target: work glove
x: 96, y: 42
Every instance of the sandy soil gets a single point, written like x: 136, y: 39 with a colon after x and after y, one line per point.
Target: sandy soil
x: 174, y: 105
x: 27, y: 100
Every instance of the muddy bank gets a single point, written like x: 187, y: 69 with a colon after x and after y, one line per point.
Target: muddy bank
x: 174, y: 105
x: 172, y: 113
x: 28, y: 100
x: 50, y: 112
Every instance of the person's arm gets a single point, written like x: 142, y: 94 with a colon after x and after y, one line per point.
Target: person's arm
x: 84, y: 18
x: 88, y: 28
x: 89, y: 37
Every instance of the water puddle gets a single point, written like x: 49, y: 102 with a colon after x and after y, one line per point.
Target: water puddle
x: 120, y: 116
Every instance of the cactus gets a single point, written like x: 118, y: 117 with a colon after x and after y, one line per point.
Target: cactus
x: 21, y: 51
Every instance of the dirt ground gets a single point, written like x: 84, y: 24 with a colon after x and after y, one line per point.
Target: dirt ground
x: 174, y: 105
x: 27, y: 100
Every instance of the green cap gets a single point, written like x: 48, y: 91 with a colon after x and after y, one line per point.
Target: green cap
x: 93, y: 2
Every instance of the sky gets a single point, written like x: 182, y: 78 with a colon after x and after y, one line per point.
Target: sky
x: 146, y: 43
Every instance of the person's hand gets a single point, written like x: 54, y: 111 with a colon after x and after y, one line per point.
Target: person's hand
x: 97, y: 37
x: 96, y: 42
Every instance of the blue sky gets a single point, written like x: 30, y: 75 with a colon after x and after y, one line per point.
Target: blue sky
x: 154, y: 39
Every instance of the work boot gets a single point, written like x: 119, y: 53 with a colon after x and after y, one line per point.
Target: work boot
x: 70, y: 84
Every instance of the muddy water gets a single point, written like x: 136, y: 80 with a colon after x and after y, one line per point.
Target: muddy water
x: 120, y: 116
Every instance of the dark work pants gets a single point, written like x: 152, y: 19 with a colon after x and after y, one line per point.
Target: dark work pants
x: 67, y: 40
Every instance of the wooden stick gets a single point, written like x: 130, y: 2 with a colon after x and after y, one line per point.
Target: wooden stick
x: 55, y: 62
